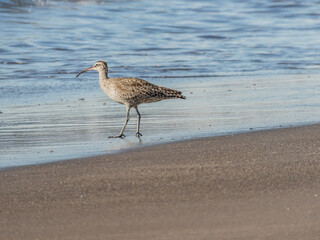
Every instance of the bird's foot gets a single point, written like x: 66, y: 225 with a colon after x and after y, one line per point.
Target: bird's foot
x: 118, y: 136
x: 138, y: 134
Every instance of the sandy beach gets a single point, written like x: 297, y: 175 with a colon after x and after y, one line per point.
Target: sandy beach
x: 243, y: 66
x: 258, y: 185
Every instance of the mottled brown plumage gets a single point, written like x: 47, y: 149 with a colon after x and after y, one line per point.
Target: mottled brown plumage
x: 131, y: 92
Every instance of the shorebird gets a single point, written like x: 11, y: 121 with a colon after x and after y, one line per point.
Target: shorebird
x: 130, y: 92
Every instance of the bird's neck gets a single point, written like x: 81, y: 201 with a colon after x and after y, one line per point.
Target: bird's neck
x: 103, y: 76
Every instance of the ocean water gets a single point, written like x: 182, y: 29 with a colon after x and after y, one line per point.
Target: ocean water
x: 243, y: 66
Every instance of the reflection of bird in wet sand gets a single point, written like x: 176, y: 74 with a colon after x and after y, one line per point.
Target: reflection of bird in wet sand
x: 131, y: 92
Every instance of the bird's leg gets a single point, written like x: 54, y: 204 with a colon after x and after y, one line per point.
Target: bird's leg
x: 121, y: 135
x: 138, y: 134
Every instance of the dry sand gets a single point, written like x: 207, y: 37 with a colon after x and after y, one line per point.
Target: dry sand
x: 259, y: 185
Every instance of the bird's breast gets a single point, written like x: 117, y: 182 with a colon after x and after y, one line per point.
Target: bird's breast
x: 111, y: 91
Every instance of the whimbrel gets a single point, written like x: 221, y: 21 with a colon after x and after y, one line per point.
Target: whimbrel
x: 130, y: 92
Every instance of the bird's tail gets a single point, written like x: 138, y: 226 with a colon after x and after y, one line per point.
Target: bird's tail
x: 170, y: 93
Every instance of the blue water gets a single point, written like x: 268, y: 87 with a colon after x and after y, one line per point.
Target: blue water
x: 243, y: 65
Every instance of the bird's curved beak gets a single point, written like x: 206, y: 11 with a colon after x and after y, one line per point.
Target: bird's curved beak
x: 88, y: 69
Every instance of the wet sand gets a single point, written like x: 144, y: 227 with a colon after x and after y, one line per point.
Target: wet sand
x: 258, y: 185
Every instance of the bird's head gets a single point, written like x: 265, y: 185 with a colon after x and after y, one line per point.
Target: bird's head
x: 99, y: 66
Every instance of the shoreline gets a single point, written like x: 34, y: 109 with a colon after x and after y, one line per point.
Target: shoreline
x: 148, y: 145
x: 69, y: 127
x: 257, y: 184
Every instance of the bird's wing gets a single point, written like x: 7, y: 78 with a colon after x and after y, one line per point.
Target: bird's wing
x: 137, y: 91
